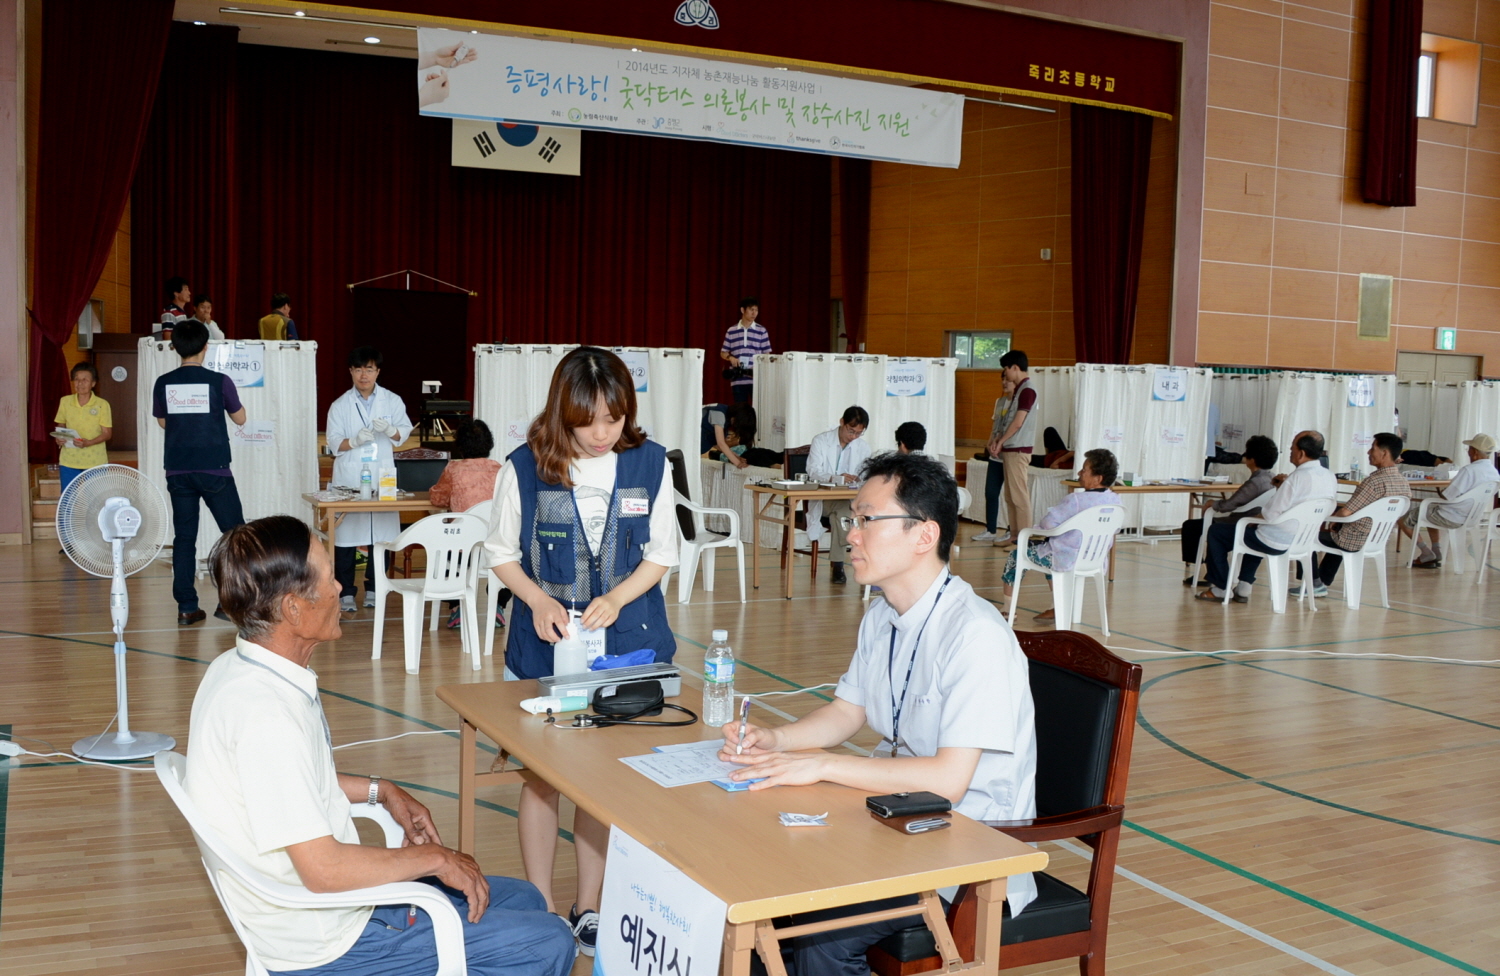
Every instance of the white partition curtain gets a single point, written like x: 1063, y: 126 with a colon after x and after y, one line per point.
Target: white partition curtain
x: 1351, y: 429
x: 798, y: 395
x: 1305, y: 401
x: 1430, y: 415
x: 1241, y: 399
x: 1054, y: 386
x: 270, y: 477
x: 1478, y: 413
x: 511, y: 383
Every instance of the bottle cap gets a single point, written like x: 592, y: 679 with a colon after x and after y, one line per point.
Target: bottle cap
x: 721, y: 635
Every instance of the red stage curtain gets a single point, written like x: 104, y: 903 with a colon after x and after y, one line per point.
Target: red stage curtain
x: 186, y: 180
x: 89, y: 139
x: 1390, y: 176
x: 340, y: 180
x: 1111, y: 157
x: 854, y: 244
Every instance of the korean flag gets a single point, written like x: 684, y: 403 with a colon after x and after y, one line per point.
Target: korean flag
x: 508, y: 145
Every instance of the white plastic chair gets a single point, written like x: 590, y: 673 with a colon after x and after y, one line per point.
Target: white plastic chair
x: 702, y: 546
x: 1098, y: 525
x: 1483, y: 498
x: 484, y: 511
x: 1383, y: 513
x: 1491, y: 526
x: 1259, y: 501
x: 1309, y: 516
x: 219, y: 861
x: 452, y: 573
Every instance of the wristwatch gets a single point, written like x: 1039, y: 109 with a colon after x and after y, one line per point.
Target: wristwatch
x: 374, y: 791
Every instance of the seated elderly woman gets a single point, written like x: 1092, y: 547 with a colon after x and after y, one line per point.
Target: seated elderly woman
x: 260, y: 768
x: 1061, y: 552
x: 1260, y: 458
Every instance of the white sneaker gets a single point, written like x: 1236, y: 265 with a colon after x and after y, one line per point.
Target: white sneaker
x: 1003, y: 540
x: 985, y: 536
x: 346, y: 604
x: 369, y: 598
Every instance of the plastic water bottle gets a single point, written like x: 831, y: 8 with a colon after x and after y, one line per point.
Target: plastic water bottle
x: 570, y: 655
x: 366, y: 482
x: 718, y: 681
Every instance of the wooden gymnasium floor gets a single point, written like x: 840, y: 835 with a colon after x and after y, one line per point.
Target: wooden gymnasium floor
x: 1288, y: 813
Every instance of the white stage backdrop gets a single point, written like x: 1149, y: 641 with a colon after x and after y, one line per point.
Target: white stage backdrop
x: 511, y: 382
x: 275, y: 455
x: 798, y: 395
x: 1478, y: 413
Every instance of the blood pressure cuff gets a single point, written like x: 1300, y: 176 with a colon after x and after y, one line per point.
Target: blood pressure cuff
x: 635, y: 698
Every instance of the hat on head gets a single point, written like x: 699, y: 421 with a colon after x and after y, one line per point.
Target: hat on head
x: 1483, y: 443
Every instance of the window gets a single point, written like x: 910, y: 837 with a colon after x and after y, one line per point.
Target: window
x: 1426, y: 68
x: 1448, y: 80
x: 978, y: 350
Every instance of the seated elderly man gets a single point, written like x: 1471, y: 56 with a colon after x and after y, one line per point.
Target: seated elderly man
x: 260, y: 768
x: 1383, y: 481
x: 1061, y: 552
x: 1308, y: 480
x: 1260, y: 458
x: 1453, y: 514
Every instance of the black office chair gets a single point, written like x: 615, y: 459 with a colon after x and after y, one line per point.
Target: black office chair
x: 1085, y: 699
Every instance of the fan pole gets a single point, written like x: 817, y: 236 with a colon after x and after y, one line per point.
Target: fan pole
x: 126, y: 744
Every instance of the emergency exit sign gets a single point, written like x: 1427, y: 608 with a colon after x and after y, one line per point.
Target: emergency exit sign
x: 1447, y: 339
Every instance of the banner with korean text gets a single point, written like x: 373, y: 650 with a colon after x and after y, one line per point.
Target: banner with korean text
x: 520, y: 80
x: 653, y: 919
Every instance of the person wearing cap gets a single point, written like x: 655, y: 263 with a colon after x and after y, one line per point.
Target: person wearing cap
x: 1452, y: 514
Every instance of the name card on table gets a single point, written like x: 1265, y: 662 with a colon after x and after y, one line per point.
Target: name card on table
x: 653, y: 919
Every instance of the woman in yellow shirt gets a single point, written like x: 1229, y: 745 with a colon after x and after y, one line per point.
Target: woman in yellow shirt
x: 89, y: 417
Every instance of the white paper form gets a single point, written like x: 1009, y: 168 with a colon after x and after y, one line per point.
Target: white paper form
x: 683, y: 764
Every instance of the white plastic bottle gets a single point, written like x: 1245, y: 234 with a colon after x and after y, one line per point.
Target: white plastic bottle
x: 570, y: 655
x: 366, y: 481
x: 718, y: 681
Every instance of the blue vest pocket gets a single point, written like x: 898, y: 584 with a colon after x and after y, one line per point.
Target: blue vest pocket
x: 634, y: 532
x: 555, y: 540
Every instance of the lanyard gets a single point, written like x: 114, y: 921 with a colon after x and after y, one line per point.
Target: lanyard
x: 898, y: 706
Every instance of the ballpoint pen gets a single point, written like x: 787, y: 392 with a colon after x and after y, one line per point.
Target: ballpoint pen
x: 744, y: 717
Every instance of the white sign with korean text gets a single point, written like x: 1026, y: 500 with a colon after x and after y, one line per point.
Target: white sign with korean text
x: 637, y: 361
x: 1361, y: 391
x: 1113, y: 437
x: 1169, y: 383
x: 523, y: 80
x: 653, y: 919
x: 255, y: 433
x: 245, y: 364
x: 904, y: 379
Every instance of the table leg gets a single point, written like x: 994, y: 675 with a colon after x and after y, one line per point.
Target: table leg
x: 334, y: 518
x: 739, y: 942
x: 991, y: 895
x: 789, y: 543
x: 467, y: 748
x: 755, y: 545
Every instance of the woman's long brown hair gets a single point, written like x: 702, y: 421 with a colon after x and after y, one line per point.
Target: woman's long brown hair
x: 583, y: 376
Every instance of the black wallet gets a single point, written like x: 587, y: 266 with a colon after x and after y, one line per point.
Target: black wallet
x: 907, y: 804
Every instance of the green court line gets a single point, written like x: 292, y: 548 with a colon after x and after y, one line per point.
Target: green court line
x: 1365, y: 694
x: 1321, y: 906
x: 1144, y: 723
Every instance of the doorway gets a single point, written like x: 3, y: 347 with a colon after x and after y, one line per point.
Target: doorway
x: 1436, y: 367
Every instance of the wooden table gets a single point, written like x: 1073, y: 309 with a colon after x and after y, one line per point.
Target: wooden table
x: 790, y: 500
x: 327, y: 514
x: 732, y: 843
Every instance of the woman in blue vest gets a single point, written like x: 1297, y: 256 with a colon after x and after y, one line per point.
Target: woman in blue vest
x: 584, y: 528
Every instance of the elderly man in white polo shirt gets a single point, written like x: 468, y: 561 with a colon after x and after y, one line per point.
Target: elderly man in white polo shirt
x: 1452, y: 513
x: 937, y: 673
x: 260, y: 768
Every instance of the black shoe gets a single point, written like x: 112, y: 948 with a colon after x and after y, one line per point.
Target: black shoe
x: 220, y: 614
x: 585, y: 928
x: 186, y: 619
x: 837, y: 573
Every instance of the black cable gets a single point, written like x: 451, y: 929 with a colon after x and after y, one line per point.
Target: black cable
x: 601, y: 721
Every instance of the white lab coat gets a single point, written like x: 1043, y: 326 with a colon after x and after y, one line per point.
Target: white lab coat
x: 346, y: 416
x: 828, y: 462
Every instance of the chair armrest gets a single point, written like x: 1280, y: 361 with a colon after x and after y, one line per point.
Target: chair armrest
x: 1061, y: 826
x: 395, y: 835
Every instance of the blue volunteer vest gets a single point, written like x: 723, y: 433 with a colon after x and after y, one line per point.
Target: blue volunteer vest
x: 555, y: 555
x: 196, y: 441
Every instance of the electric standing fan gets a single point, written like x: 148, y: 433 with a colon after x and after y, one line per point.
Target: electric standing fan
x: 112, y: 522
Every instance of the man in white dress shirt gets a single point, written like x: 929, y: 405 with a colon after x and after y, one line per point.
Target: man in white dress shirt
x: 364, y: 426
x: 1308, y: 480
x: 836, y: 456
x: 1451, y: 513
x: 937, y: 673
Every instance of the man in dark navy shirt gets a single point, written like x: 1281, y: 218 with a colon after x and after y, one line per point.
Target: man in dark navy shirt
x: 188, y: 403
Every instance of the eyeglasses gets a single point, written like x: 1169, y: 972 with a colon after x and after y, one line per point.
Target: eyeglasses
x: 860, y: 521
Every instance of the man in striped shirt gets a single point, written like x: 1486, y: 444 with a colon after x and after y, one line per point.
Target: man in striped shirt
x: 745, y: 340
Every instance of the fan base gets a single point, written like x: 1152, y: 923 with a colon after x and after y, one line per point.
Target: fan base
x: 142, y: 745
